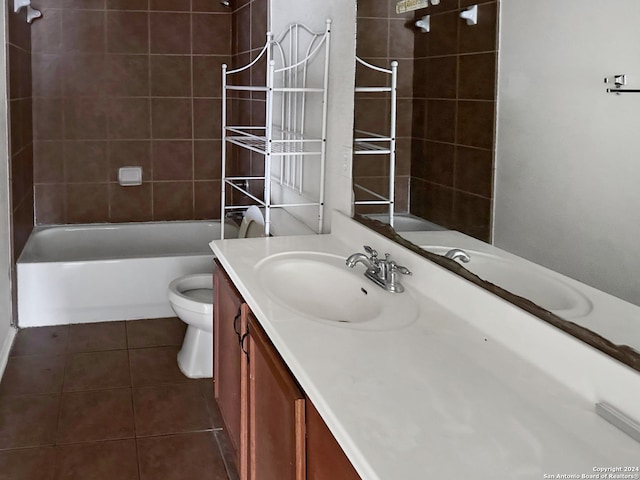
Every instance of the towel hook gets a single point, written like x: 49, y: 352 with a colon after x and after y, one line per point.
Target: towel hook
x: 32, y: 13
x: 470, y: 15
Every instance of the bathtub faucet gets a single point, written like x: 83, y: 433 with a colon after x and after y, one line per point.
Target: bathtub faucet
x: 458, y: 254
x: 382, y: 272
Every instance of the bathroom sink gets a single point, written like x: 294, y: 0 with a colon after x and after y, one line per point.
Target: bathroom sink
x: 528, y: 281
x: 320, y: 287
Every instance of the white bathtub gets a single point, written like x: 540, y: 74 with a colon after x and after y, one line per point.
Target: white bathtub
x: 101, y: 272
x: 406, y: 222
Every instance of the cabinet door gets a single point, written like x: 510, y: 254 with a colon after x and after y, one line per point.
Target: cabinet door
x: 230, y: 365
x: 325, y: 458
x: 276, y: 414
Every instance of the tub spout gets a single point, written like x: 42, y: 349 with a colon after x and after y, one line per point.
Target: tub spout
x: 458, y: 254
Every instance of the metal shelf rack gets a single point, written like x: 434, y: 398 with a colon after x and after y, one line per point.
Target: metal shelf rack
x: 368, y: 143
x: 293, y: 137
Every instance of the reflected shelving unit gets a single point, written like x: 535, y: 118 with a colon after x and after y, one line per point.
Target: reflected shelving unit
x: 379, y: 146
x: 292, y: 140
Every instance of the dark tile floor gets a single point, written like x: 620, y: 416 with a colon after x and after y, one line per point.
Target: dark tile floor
x: 107, y: 401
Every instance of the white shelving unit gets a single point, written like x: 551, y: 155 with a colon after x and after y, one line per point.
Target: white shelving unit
x: 293, y: 138
x: 379, y: 144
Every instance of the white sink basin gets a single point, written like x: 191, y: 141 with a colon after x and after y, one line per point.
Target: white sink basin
x: 320, y: 287
x: 528, y: 281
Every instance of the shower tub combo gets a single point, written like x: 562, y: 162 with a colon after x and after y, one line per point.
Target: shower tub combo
x: 103, y: 272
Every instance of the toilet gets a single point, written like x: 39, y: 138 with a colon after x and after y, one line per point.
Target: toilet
x: 191, y: 298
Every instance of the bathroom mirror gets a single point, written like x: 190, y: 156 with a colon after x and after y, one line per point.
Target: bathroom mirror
x: 549, y: 175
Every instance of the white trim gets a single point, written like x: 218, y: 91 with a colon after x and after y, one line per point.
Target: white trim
x: 6, y: 348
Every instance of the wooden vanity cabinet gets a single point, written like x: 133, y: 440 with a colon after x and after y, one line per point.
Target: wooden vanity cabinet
x: 276, y: 432
x: 325, y: 458
x: 229, y: 362
x: 276, y: 413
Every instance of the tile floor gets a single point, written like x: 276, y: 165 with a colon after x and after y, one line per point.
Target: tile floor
x: 107, y: 401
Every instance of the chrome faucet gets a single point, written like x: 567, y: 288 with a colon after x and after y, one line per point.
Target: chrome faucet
x: 383, y: 272
x: 458, y: 254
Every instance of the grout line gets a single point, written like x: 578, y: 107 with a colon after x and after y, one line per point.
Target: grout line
x: 193, y: 115
x: 221, y: 437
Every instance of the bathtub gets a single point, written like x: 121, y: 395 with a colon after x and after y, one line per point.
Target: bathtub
x: 102, y: 272
x: 406, y: 222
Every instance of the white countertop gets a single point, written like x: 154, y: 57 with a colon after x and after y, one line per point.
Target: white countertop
x: 441, y: 398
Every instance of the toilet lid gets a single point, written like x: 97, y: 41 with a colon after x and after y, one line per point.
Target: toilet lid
x: 202, y: 295
x: 252, y: 223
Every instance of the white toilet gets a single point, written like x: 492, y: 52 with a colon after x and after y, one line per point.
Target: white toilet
x: 191, y: 298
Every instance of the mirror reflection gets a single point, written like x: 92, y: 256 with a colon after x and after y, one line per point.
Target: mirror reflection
x: 532, y: 173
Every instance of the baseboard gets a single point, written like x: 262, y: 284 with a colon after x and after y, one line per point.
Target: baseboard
x: 6, y: 348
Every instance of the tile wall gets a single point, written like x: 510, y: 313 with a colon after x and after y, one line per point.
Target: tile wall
x: 384, y: 36
x: 446, y: 109
x: 250, y: 23
x: 119, y: 83
x: 21, y: 147
x: 454, y: 116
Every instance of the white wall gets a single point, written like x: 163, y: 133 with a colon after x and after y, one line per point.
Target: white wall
x: 6, y: 331
x: 341, y: 87
x: 568, y: 155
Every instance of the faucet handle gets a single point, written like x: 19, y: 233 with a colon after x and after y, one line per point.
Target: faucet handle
x: 372, y: 253
x: 394, y: 267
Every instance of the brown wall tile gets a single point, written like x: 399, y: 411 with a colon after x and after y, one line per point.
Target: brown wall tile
x: 83, y: 31
x: 372, y: 8
x: 87, y: 202
x: 171, y: 76
x: 47, y: 119
x: 207, y: 159
x: 401, y: 38
x: 170, y: 5
x: 441, y: 120
x: 474, y: 171
x: 172, y: 160
x: 86, y: 161
x: 478, y: 76
x: 46, y: 36
x: 50, y: 203
x: 475, y: 123
x: 206, y: 199
x: 207, y: 77
x: 127, y: 4
x: 47, y: 74
x: 172, y: 201
x: 207, y: 116
x: 372, y: 37
x: 127, y: 75
x: 259, y: 22
x: 170, y: 33
x: 443, y: 37
x: 83, y: 74
x: 208, y: 6
x: 441, y: 78
x: 48, y: 162
x: 130, y: 204
x: 85, y: 118
x: 127, y: 32
x: 129, y: 118
x: 171, y: 118
x: 203, y: 24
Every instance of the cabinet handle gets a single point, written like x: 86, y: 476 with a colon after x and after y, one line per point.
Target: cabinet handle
x: 245, y: 335
x: 235, y: 322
